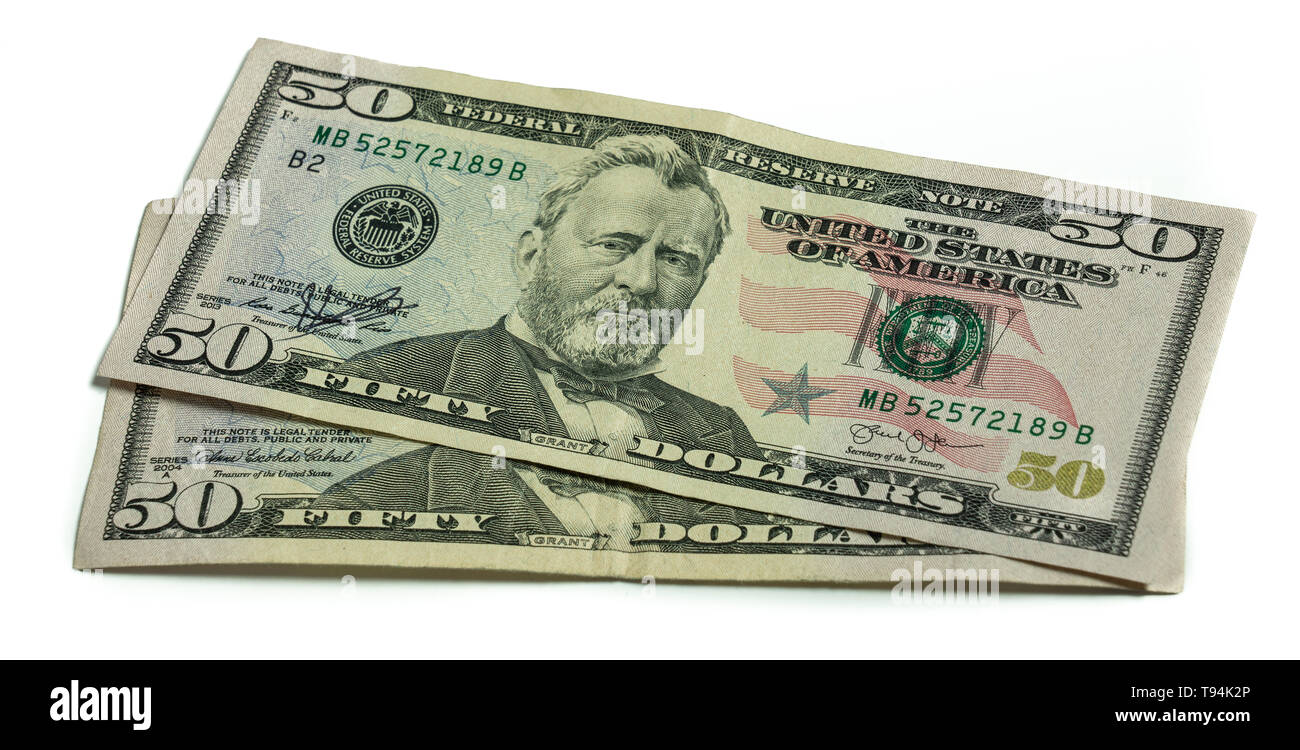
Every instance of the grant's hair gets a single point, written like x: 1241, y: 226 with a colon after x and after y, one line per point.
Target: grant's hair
x: 676, y: 170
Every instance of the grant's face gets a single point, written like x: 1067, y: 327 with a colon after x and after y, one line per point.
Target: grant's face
x: 627, y: 231
x: 626, y: 238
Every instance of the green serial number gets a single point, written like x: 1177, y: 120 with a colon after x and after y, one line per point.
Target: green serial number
x: 995, y: 420
x: 454, y: 161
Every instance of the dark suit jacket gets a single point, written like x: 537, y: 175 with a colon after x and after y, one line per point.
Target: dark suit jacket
x: 489, y: 366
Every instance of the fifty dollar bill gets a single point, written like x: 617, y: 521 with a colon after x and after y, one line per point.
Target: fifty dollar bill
x: 696, y: 303
x: 184, y: 480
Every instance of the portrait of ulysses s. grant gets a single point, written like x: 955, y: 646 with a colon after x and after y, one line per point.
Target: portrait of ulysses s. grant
x: 632, y: 225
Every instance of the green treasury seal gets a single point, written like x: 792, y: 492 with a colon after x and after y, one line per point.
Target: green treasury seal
x: 931, y: 338
x: 385, y: 226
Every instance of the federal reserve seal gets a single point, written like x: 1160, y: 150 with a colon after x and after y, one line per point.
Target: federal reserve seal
x: 385, y: 226
x: 931, y: 338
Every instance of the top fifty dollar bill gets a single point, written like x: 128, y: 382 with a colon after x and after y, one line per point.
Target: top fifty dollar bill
x: 693, y: 302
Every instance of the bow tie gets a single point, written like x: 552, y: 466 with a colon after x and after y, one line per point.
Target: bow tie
x: 581, y: 389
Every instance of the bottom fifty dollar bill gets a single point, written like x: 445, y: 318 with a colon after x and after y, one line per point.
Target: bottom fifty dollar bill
x: 185, y: 480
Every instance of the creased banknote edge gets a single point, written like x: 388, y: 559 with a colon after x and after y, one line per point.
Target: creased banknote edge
x: 1168, y: 511
x: 606, y: 564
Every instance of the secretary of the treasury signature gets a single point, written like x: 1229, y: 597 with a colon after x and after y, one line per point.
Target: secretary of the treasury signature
x: 915, y: 441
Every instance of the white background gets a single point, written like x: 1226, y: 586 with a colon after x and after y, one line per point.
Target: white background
x: 106, y: 104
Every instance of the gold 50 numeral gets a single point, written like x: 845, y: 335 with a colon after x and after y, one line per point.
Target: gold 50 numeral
x: 1077, y: 479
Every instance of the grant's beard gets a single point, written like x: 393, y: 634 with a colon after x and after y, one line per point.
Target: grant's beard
x: 570, y: 328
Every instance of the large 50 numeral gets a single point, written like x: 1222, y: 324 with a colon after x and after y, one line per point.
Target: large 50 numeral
x: 231, y: 350
x: 370, y: 100
x: 312, y: 90
x: 1148, y: 240
x: 1077, y: 479
x: 200, y: 508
